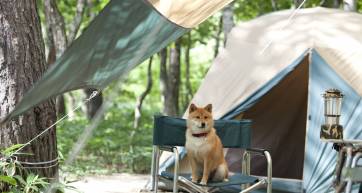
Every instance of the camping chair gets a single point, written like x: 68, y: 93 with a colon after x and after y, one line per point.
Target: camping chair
x: 169, y: 132
x: 348, y: 169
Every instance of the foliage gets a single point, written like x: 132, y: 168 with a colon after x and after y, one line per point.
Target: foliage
x: 15, y: 179
x: 8, y: 165
x: 68, y: 10
x: 32, y: 183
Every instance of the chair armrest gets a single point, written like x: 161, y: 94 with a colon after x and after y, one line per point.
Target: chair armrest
x: 256, y: 151
x: 167, y: 148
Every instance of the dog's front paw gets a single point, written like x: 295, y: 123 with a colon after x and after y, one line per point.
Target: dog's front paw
x: 195, y: 178
x: 203, y: 182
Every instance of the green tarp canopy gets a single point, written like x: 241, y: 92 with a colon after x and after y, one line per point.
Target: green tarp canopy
x: 123, y: 35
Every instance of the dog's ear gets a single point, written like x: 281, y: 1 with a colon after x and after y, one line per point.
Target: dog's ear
x: 192, y: 108
x: 208, y: 107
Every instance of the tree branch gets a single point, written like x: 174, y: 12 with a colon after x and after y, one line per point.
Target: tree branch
x: 163, y: 73
x: 274, y: 5
x: 74, y: 28
x: 217, y: 37
x: 187, y: 61
x: 228, y: 20
x: 55, y: 26
x: 141, y: 98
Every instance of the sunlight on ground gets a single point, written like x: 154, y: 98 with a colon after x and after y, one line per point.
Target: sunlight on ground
x: 116, y: 183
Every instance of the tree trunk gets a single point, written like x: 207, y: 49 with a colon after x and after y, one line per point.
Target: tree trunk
x: 56, y: 27
x: 350, y: 5
x: 228, y: 20
x: 217, y: 37
x: 71, y: 101
x: 189, y: 91
x: 141, y: 98
x: 60, y: 106
x: 274, y: 5
x: 22, y: 62
x: 77, y: 20
x: 57, y: 41
x: 170, y: 79
x: 91, y: 14
x: 174, y: 79
x: 94, y: 104
x: 331, y: 3
x: 297, y: 3
x: 336, y: 4
x: 163, y: 78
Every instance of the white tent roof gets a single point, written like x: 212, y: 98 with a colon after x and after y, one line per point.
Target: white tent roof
x: 257, y: 50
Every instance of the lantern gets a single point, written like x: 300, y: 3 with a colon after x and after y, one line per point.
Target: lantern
x: 331, y: 129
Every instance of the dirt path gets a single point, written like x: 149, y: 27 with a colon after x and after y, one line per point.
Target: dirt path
x: 116, y: 183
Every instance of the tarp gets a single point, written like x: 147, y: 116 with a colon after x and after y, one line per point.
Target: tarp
x: 125, y: 33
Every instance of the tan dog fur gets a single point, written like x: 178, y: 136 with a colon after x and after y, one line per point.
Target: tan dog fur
x: 205, y: 152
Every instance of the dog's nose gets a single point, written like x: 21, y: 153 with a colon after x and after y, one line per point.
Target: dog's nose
x: 202, y: 124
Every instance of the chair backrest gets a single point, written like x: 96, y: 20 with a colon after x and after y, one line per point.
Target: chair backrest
x: 171, y: 131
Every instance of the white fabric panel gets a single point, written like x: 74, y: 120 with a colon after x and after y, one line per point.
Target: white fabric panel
x: 347, y: 63
x: 188, y: 13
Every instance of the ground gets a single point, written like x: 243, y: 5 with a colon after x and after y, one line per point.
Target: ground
x: 116, y: 183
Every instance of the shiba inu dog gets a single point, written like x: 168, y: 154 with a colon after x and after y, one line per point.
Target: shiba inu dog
x: 204, y: 147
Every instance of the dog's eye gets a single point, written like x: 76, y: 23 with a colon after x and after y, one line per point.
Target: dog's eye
x: 205, y: 117
x: 197, y: 117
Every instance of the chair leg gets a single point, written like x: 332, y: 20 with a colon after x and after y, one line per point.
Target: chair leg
x: 348, y: 165
x: 175, y: 178
x: 353, y: 165
x: 155, y: 167
x: 245, y: 167
x: 269, y: 172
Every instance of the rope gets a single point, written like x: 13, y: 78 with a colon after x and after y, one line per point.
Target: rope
x: 39, y: 163
x: 285, y: 25
x: 41, y: 167
x: 33, y: 165
x: 95, y: 93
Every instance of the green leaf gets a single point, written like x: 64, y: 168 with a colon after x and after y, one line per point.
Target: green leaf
x: 10, y: 169
x: 8, y: 179
x: 20, y: 179
x: 15, y: 190
x: 8, y: 151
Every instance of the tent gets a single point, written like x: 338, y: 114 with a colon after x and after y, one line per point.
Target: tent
x: 273, y: 71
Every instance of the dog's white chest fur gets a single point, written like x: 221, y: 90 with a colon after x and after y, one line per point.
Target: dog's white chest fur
x: 197, y: 145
